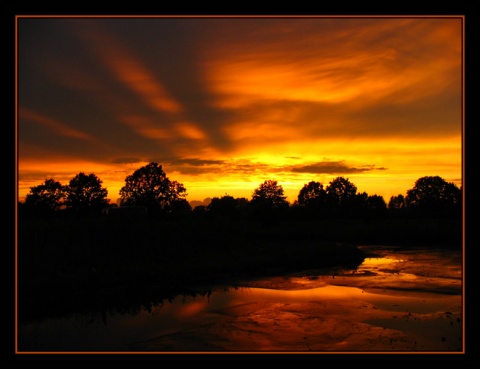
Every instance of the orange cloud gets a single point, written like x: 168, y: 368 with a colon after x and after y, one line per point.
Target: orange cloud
x: 355, y: 60
x: 145, y: 126
x: 190, y: 130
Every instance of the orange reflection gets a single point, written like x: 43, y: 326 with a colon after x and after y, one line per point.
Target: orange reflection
x: 327, y: 292
x: 192, y: 308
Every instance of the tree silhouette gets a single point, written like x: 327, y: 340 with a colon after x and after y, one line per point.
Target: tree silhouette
x: 222, y: 207
x: 149, y: 186
x: 312, y: 195
x: 180, y: 208
x: 340, y: 195
x: 396, y: 202
x: 432, y: 195
x: 397, y: 206
x: 312, y: 200
x: 45, y: 198
x: 227, y: 208
x: 356, y: 205
x: 85, y: 194
x: 269, y: 195
x: 375, y: 206
x: 268, y: 202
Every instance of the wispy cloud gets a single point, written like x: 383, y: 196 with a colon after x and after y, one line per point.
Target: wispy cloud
x: 126, y: 160
x: 333, y: 167
x: 195, y: 166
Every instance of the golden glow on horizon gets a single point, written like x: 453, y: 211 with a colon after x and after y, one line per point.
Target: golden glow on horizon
x: 240, y: 177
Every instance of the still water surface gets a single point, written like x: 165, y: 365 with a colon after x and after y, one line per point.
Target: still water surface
x: 405, y: 300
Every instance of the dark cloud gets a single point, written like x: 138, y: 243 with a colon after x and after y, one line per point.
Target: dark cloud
x: 198, y: 166
x: 333, y: 167
x: 126, y: 160
x: 195, y: 166
x: 192, y: 161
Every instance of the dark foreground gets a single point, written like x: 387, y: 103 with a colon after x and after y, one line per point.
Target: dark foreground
x: 76, y: 265
x: 398, y: 300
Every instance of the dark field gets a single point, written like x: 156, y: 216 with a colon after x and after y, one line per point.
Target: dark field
x: 66, y: 264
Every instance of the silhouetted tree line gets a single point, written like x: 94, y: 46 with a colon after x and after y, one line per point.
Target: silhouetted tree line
x: 150, y: 187
x: 431, y: 196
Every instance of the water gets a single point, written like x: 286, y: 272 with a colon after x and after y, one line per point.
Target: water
x: 399, y: 300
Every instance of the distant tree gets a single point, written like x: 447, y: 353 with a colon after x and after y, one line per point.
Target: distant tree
x: 149, y: 186
x: 180, y: 208
x: 312, y: 194
x: 396, y: 202
x: 85, y: 194
x: 433, y: 196
x: 397, y: 206
x: 45, y: 198
x: 356, y: 205
x: 340, y: 195
x: 268, y: 202
x: 270, y: 195
x: 311, y: 200
x: 243, y: 207
x: 375, y: 206
x: 199, y: 211
x: 222, y: 207
x: 227, y: 207
x: 340, y: 190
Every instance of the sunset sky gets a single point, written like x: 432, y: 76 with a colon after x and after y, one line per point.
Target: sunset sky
x: 224, y: 103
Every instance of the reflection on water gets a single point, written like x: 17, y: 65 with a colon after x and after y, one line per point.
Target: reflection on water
x: 375, y: 304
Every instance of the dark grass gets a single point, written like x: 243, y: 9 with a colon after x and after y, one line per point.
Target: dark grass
x: 80, y: 264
